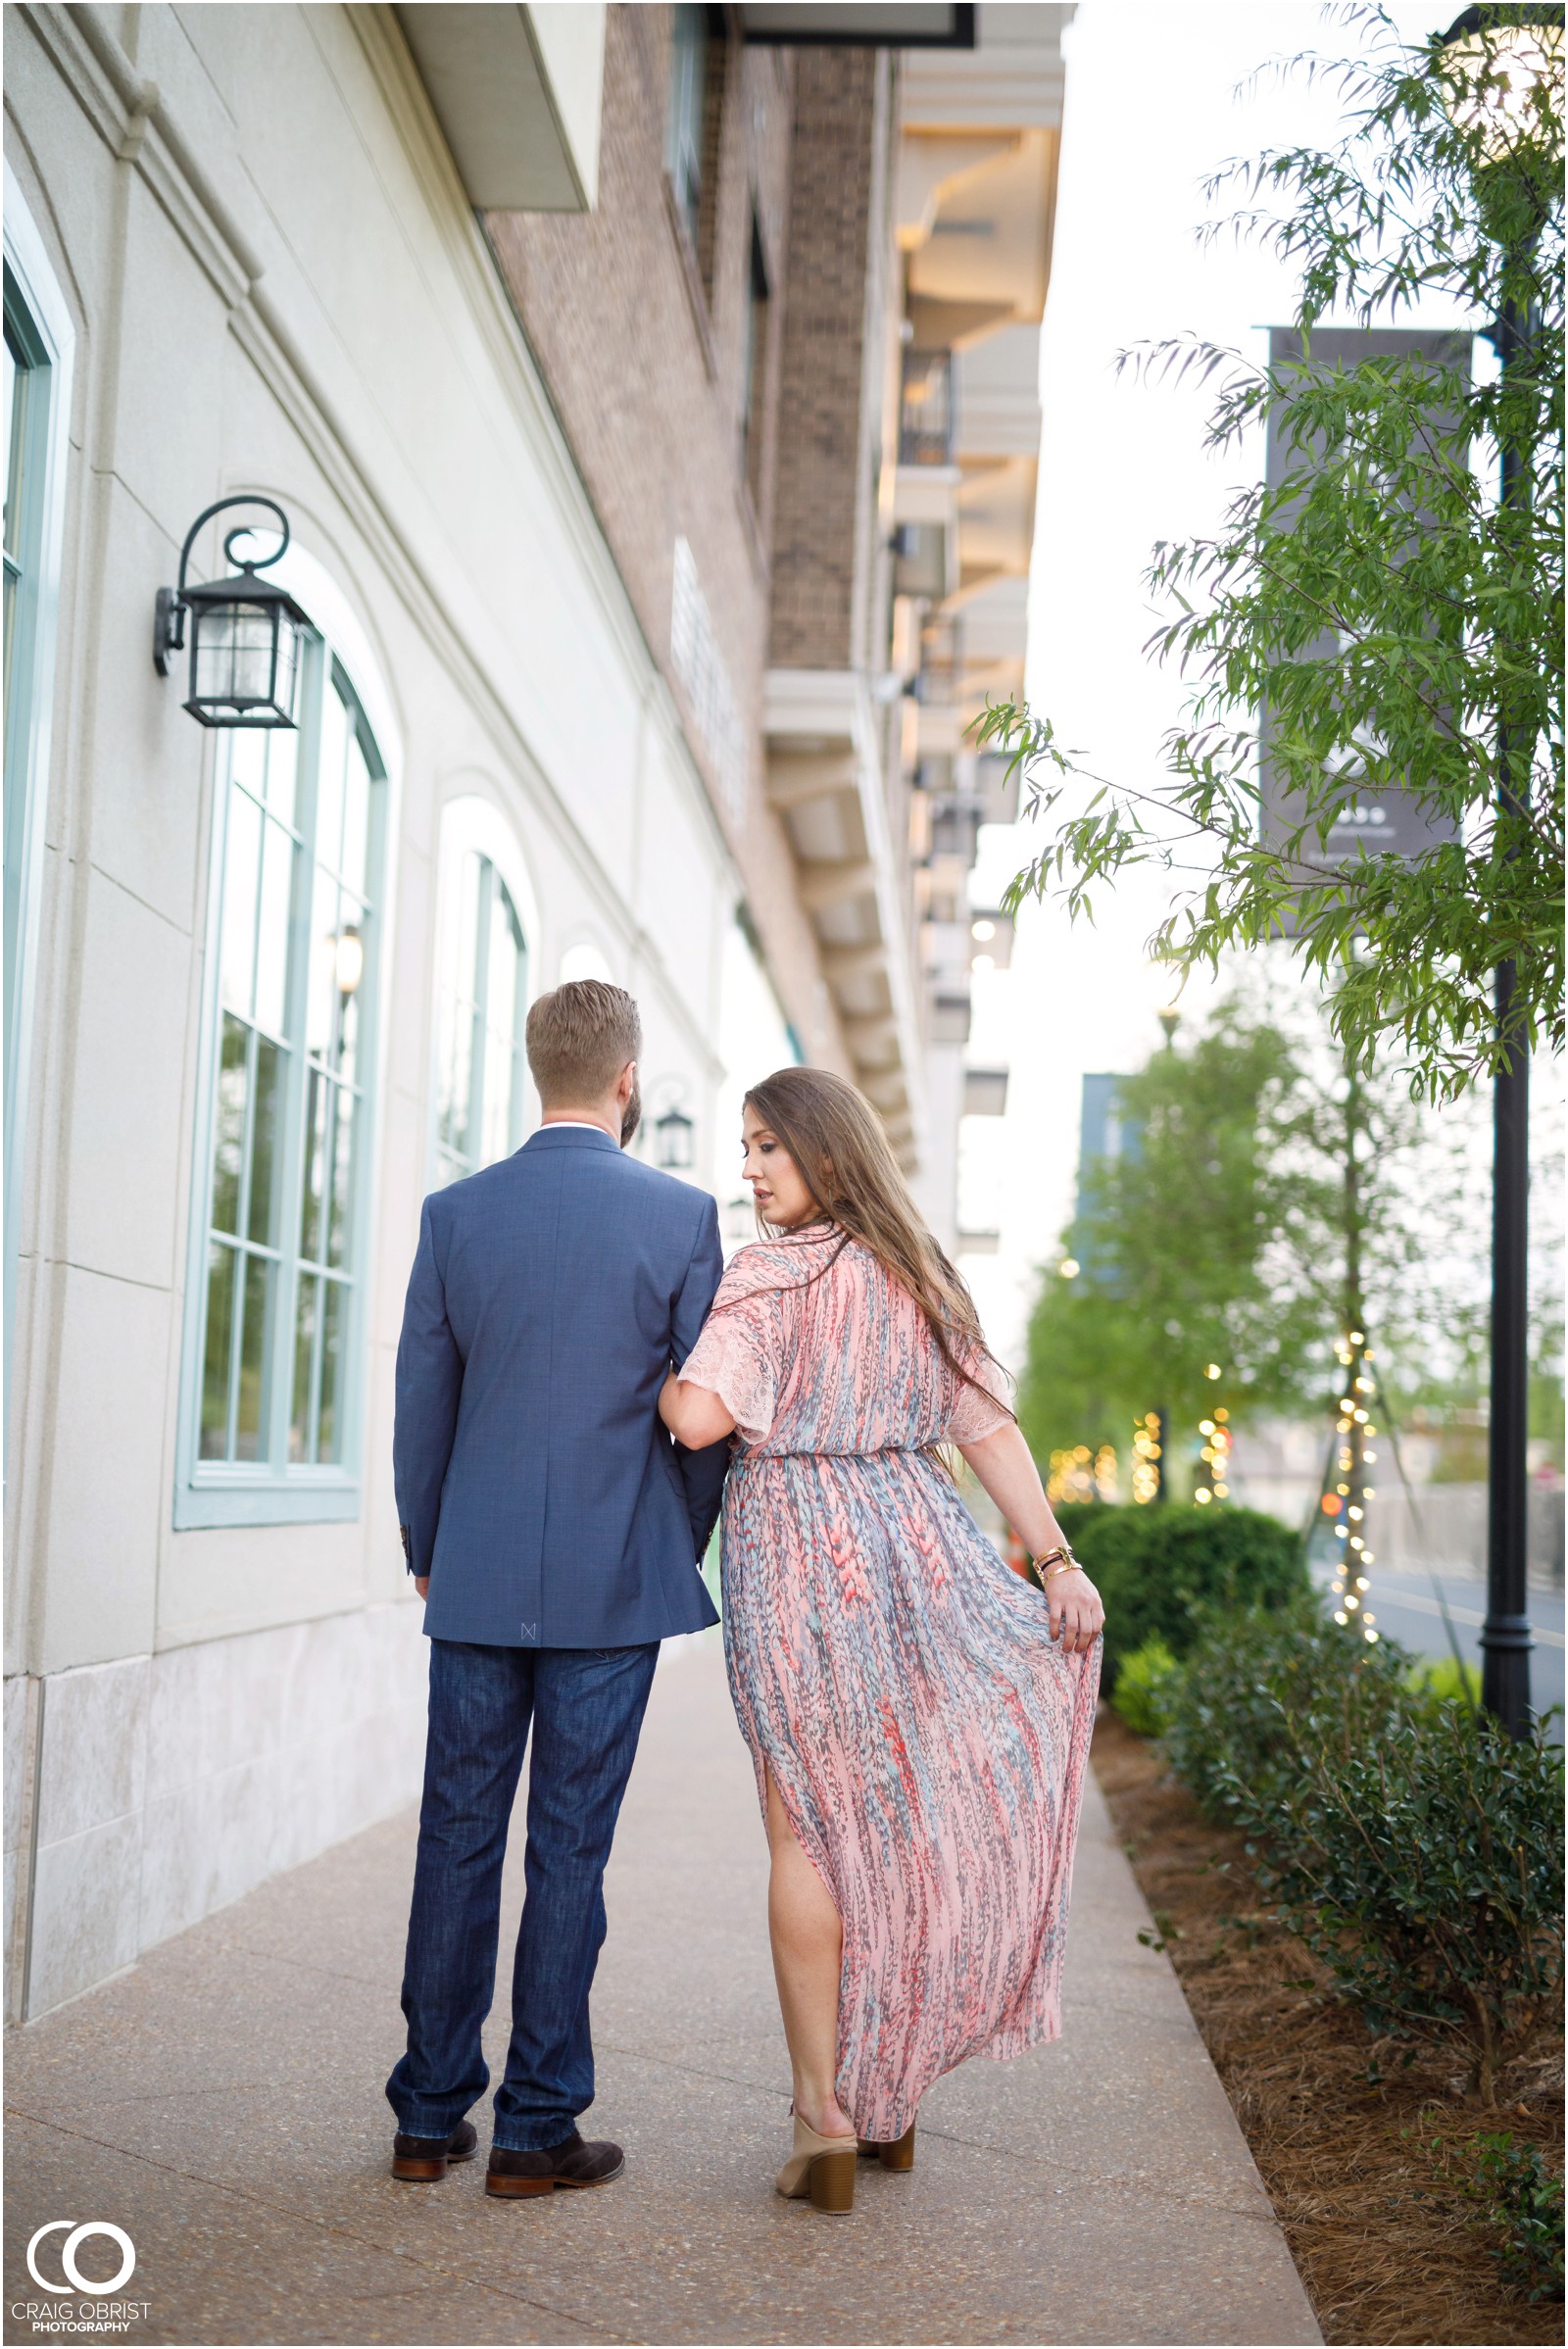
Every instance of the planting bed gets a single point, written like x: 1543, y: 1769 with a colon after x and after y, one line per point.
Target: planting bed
x: 1343, y: 2131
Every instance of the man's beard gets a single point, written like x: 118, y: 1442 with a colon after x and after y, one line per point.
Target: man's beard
x: 631, y: 1116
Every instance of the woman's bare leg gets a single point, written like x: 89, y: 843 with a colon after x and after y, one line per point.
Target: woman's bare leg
x: 808, y: 1937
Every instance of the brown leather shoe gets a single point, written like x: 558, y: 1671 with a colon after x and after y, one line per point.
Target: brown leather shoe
x: 577, y: 2162
x: 420, y: 2159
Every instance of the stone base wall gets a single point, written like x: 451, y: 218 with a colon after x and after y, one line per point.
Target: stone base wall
x: 145, y: 1793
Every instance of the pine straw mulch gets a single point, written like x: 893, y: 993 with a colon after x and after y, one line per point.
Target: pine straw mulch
x: 1388, y: 2247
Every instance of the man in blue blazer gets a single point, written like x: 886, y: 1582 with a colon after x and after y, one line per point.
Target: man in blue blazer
x: 554, y: 1531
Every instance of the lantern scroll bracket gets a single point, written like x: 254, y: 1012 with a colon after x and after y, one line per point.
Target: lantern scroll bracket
x: 246, y: 631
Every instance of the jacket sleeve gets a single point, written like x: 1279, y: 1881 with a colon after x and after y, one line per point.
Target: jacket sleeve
x: 429, y: 1387
x: 702, y: 1473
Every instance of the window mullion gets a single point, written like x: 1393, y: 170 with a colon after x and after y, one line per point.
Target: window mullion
x: 354, y: 1325
x: 520, y: 1016
x: 292, y: 1139
x: 481, y: 1010
x: 247, y: 1140
x: 236, y: 1347
x: 324, y: 1243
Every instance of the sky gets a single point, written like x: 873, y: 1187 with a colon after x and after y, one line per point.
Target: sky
x: 1152, y: 108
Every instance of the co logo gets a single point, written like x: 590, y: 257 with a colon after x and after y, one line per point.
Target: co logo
x: 76, y: 2237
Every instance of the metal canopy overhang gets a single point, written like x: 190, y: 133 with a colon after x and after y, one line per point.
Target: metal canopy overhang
x: 875, y: 24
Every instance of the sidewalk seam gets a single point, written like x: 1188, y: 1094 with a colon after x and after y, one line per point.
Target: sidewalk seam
x: 324, y: 2227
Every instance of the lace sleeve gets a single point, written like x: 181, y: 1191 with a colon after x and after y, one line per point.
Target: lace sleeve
x: 978, y: 1410
x: 735, y: 1357
x: 727, y: 1359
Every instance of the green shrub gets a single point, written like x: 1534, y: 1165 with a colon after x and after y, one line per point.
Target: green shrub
x: 1405, y: 1839
x: 1141, y: 1685
x: 1257, y: 1688
x: 1159, y: 1568
x: 1428, y: 1875
x: 1521, y: 2207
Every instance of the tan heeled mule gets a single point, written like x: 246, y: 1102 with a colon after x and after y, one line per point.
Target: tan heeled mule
x: 822, y: 2168
x: 893, y: 2153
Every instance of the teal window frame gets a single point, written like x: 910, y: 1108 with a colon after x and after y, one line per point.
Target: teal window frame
x: 271, y: 1243
x: 471, y: 1042
x: 42, y: 343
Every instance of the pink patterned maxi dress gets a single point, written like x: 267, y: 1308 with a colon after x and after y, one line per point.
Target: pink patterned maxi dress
x: 927, y: 1735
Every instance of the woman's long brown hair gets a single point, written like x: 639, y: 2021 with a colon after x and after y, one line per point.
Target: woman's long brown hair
x: 843, y: 1154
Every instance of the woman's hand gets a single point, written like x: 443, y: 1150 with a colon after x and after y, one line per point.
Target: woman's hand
x: 1004, y: 1465
x: 694, y: 1415
x: 1077, y: 1617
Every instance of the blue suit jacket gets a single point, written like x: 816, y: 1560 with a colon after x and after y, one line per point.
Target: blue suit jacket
x: 536, y: 1485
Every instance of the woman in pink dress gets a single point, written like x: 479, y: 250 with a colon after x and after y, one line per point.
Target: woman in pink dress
x: 919, y: 1716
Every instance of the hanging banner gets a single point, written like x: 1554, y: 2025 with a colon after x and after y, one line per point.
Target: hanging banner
x: 1377, y: 820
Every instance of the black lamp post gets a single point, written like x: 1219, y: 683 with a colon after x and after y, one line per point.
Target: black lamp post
x: 1507, y: 50
x: 245, y: 633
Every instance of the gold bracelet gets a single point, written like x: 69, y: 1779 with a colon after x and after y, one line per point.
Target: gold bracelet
x: 1045, y: 1568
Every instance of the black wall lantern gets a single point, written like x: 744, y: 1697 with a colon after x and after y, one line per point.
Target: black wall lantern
x: 674, y: 1132
x: 245, y: 633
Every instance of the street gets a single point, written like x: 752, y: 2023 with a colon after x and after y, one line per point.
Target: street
x: 1407, y: 1606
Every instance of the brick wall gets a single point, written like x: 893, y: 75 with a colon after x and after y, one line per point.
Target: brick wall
x: 641, y: 341
x: 830, y: 389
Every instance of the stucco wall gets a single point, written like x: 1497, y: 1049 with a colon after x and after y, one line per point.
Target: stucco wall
x: 276, y: 284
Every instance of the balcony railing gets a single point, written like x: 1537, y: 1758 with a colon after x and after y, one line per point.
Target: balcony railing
x: 956, y: 830
x: 925, y: 417
x: 942, y: 664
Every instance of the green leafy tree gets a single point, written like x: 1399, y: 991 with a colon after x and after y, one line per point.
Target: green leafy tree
x: 1269, y: 1200
x: 1438, y: 652
x: 1172, y: 1244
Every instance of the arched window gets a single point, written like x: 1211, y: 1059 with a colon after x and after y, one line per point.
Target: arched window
x: 272, y: 1388
x: 483, y: 970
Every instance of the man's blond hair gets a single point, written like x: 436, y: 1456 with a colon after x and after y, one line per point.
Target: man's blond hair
x: 581, y: 1037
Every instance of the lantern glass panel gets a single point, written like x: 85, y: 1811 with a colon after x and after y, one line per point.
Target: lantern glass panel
x: 674, y: 1130
x: 244, y: 663
x: 232, y: 655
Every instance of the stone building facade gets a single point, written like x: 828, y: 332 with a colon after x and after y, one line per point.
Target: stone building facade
x: 571, y: 342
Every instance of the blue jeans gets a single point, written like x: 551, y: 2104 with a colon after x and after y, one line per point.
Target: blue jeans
x: 586, y: 1706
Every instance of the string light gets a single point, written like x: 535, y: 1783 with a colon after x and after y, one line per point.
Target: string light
x: 1348, y: 1503
x: 1146, y: 1452
x: 1214, y: 1453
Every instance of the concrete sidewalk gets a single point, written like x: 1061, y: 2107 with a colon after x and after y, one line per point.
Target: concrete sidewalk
x: 222, y: 2104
